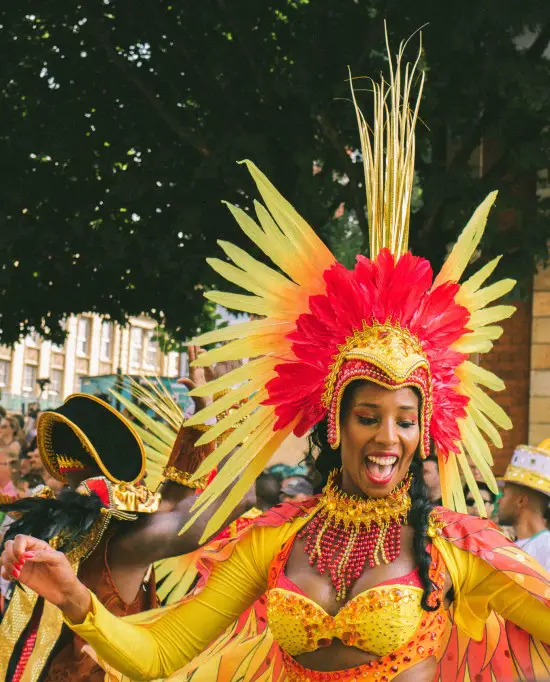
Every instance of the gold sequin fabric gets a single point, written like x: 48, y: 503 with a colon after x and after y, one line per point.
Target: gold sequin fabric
x: 386, y: 621
x: 379, y: 620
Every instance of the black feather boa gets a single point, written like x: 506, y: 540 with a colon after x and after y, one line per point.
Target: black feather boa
x: 71, y: 515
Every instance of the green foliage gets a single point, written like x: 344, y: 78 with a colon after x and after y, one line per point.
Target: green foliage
x: 122, y: 122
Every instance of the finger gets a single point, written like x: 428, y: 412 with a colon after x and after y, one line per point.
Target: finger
x: 46, y: 556
x: 19, y: 547
x: 187, y: 382
x: 191, y: 353
x: 8, y: 558
x: 7, y: 566
x: 26, y: 543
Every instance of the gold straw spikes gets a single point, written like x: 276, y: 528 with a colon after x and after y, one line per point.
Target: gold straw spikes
x: 388, y: 150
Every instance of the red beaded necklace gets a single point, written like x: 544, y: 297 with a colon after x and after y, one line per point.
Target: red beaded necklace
x: 348, y: 530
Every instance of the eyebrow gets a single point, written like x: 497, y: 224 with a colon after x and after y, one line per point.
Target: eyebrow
x: 377, y: 406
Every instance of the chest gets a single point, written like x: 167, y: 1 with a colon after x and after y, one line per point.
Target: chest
x: 319, y: 587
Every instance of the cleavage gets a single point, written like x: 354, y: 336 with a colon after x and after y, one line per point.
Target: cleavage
x: 318, y: 587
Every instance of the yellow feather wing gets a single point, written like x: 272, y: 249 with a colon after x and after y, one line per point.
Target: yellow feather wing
x: 157, y: 431
x: 279, y: 294
x: 483, y: 414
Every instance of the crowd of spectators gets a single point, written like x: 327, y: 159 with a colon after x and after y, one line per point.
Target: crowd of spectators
x: 21, y: 468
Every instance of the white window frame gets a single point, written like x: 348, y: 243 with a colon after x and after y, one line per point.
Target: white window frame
x: 106, y: 341
x: 148, y: 347
x: 7, y: 364
x: 136, y: 349
x: 53, y: 391
x: 25, y: 387
x: 83, y: 341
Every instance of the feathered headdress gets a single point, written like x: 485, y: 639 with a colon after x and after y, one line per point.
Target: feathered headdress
x: 388, y: 320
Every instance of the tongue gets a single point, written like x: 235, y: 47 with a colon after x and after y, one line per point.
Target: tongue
x: 381, y: 471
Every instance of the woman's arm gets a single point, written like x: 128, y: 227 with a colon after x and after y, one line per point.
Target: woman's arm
x: 168, y: 642
x: 479, y: 588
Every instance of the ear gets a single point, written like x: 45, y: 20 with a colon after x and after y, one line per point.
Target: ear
x: 522, y: 501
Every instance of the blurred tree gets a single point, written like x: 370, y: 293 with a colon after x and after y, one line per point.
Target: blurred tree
x: 122, y: 122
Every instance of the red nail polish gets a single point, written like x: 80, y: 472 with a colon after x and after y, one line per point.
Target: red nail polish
x: 15, y: 573
x: 18, y: 565
x: 29, y: 555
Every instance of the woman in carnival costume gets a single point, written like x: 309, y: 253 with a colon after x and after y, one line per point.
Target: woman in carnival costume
x: 359, y: 581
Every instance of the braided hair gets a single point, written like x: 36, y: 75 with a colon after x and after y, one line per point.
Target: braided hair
x: 419, y: 513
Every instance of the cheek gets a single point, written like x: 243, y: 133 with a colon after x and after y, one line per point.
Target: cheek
x: 353, y: 438
x: 411, y: 441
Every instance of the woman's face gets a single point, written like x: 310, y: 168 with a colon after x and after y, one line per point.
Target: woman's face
x: 380, y: 433
x: 6, y: 431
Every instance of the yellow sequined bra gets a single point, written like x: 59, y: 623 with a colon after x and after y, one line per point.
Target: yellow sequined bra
x: 378, y: 621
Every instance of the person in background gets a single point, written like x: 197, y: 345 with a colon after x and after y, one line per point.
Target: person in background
x: 24, y: 465
x: 431, y: 479
x: 18, y: 423
x: 37, y: 465
x: 39, y: 470
x: 525, y: 502
x: 295, y: 489
x: 311, y: 473
x: 9, y: 442
x: 488, y: 496
x: 18, y: 478
x: 29, y: 428
x: 111, y: 526
x: 7, y: 491
x: 6, y: 484
x: 268, y: 488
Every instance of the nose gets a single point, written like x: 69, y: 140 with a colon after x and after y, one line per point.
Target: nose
x: 386, y: 435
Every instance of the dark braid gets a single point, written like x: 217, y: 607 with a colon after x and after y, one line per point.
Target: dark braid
x: 419, y: 517
x: 419, y: 514
x: 327, y: 459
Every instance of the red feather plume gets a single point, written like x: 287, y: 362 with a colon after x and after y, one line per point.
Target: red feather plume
x: 383, y: 290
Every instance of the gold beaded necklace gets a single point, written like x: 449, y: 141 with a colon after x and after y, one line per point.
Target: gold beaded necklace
x: 349, y: 530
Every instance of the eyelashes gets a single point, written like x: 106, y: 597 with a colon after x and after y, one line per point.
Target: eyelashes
x: 371, y: 421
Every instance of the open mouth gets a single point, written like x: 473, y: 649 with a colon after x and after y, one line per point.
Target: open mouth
x: 380, y: 467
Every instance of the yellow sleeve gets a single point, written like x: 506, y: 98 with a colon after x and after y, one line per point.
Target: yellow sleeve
x: 157, y: 649
x: 479, y: 589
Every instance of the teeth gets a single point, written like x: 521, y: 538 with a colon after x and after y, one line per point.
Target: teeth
x: 388, y: 461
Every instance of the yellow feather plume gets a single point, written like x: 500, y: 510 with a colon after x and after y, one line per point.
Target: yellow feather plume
x: 466, y: 244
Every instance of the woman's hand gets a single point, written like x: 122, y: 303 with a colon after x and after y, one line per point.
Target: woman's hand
x: 48, y: 573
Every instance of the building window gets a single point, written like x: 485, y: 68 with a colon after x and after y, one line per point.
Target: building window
x: 151, y: 350
x: 29, y: 379
x: 106, y: 341
x: 136, y: 346
x: 4, y: 373
x: 32, y: 339
x: 83, y: 336
x: 56, y: 386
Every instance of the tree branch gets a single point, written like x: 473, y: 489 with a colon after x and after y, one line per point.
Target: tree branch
x: 337, y: 143
x: 488, y: 118
x: 120, y: 63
